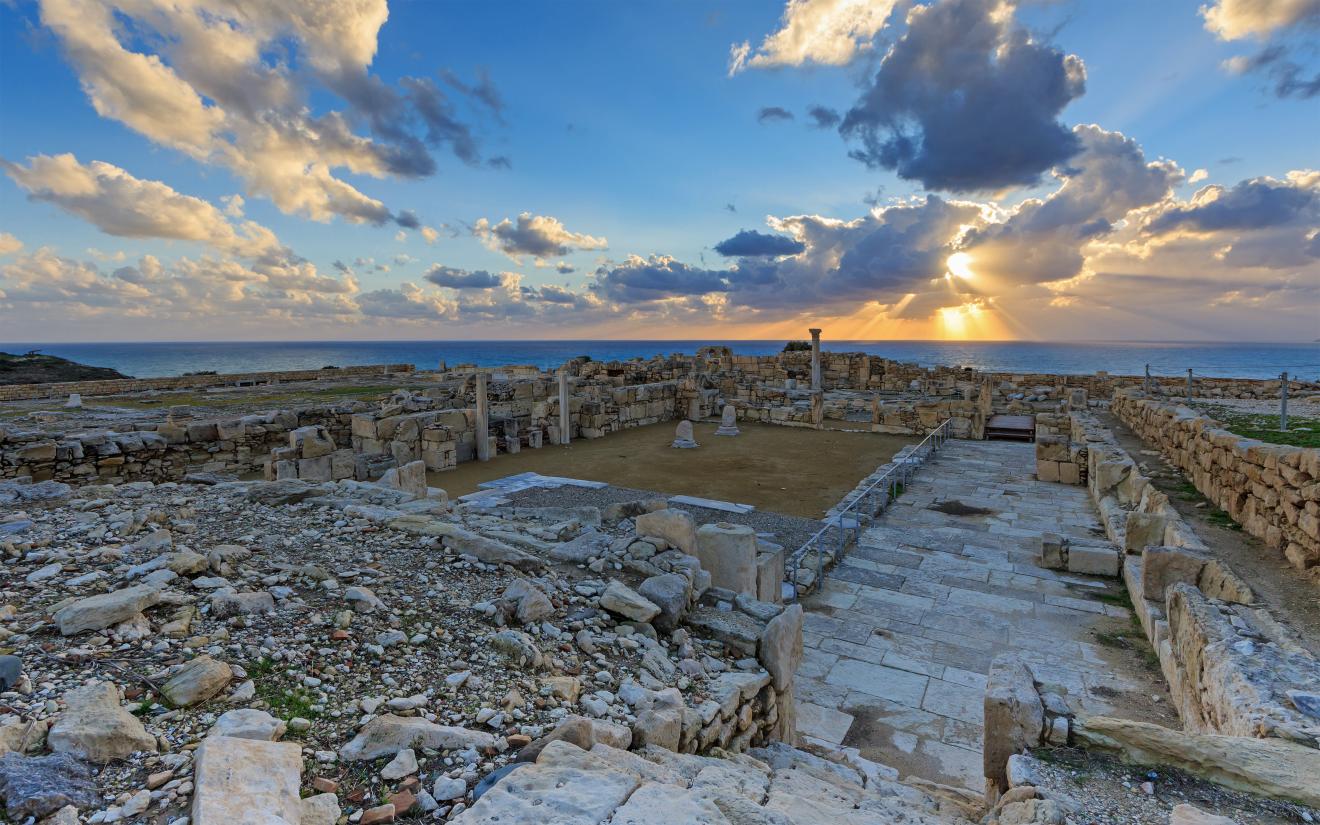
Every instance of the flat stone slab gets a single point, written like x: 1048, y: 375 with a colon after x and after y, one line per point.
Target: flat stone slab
x: 712, y: 504
x: 899, y: 638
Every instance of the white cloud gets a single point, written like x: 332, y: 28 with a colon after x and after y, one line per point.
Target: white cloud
x: 230, y: 83
x: 829, y: 32
x: 9, y: 244
x: 539, y: 236
x: 120, y: 204
x: 1198, y: 176
x: 1237, y: 19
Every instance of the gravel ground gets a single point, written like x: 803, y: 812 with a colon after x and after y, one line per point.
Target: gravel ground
x: 1107, y: 792
x: 789, y: 531
x: 325, y: 660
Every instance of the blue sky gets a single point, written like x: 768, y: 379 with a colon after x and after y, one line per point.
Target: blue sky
x: 623, y: 124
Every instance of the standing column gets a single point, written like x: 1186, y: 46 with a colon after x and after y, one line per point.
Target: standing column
x: 815, y: 359
x: 565, y: 429
x: 483, y: 420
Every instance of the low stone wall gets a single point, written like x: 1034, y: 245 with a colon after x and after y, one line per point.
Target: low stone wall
x: 166, y: 451
x: 115, y: 386
x: 1272, y: 490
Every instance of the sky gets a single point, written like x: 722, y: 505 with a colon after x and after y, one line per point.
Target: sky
x: 886, y: 169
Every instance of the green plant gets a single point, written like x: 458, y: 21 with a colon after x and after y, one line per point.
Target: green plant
x: 797, y: 346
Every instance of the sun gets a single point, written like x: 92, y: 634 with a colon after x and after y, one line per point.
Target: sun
x: 960, y: 264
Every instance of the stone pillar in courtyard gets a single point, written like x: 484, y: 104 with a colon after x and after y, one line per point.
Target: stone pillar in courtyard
x: 728, y: 421
x: 815, y: 359
x: 483, y: 420
x: 818, y: 409
x: 565, y: 427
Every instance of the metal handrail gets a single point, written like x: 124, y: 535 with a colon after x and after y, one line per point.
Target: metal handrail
x: 892, y: 478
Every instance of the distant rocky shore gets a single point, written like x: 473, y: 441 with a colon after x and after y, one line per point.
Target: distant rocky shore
x: 35, y: 368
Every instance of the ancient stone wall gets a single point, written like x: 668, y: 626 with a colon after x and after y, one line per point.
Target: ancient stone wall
x: 166, y: 451
x: 1272, y: 490
x: 23, y: 392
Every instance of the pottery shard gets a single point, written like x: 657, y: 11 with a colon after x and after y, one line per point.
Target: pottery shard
x: 106, y: 609
x: 1271, y: 767
x: 387, y: 735
x: 247, y: 782
x: 197, y: 681
x: 1014, y: 716
x: 95, y: 727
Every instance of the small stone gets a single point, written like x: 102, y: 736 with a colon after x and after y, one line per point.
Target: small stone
x: 380, y: 813
x: 446, y: 789
x: 403, y: 763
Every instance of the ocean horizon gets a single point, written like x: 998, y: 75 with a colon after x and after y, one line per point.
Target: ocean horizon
x: 1169, y: 358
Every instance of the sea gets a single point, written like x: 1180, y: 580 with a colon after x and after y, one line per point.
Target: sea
x: 1233, y: 360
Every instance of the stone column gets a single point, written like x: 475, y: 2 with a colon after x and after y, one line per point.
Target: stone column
x: 565, y: 426
x: 815, y: 359
x: 483, y: 420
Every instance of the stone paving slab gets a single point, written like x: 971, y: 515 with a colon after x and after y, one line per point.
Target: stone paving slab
x: 901, y: 633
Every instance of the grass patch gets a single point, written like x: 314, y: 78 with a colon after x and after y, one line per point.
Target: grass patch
x: 284, y: 700
x: 1219, y: 518
x: 1131, y: 638
x: 1302, y: 431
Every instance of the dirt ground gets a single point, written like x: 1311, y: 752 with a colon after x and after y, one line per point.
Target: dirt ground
x: 1292, y: 600
x: 788, y: 470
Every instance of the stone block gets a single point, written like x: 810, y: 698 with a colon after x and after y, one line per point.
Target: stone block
x: 769, y: 573
x: 1070, y: 473
x: 246, y: 781
x: 728, y: 553
x: 1094, y: 561
x: 314, y: 469
x: 1144, y: 530
x: 1014, y: 717
x: 1047, y: 470
x: 1053, y: 552
x: 1165, y: 566
x: 674, y: 526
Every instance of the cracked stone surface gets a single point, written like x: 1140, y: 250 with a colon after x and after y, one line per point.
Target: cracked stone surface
x: 900, y: 637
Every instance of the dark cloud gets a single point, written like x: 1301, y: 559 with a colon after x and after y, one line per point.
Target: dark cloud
x: 730, y: 207
x: 500, y: 162
x: 752, y: 244
x: 1251, y: 204
x: 408, y: 219
x: 564, y: 268
x: 823, y: 117
x: 1231, y: 159
x: 966, y: 100
x: 483, y: 91
x: 540, y: 236
x: 772, y: 113
x: 654, y: 278
x: 461, y: 278
x: 441, y: 123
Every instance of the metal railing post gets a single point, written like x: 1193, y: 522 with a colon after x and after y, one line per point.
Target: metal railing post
x: 1283, y: 403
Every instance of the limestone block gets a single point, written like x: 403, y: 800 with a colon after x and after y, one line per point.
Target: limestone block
x: 780, y: 647
x: 1144, y: 530
x: 1047, y: 470
x: 1051, y: 448
x: 670, y: 592
x: 1095, y: 561
x: 769, y: 573
x: 247, y: 782
x: 1271, y: 767
x: 312, y: 442
x: 387, y: 735
x: 95, y: 727
x: 622, y: 600
x: 410, y: 478
x: 1070, y: 473
x: 674, y: 526
x: 196, y: 681
x: 248, y: 723
x: 1053, y: 552
x: 728, y: 553
x: 102, y: 611
x: 315, y: 469
x: 1014, y: 717
x: 1164, y: 566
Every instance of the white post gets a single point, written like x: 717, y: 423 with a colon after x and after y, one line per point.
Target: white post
x: 565, y: 430
x: 1146, y: 383
x: 1283, y: 403
x: 483, y: 420
x: 815, y: 359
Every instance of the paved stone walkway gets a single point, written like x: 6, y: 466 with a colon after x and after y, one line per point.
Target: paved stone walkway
x: 901, y: 635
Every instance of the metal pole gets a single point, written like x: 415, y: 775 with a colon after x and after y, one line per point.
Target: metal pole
x: 1145, y: 385
x: 1283, y: 403
x: 1189, y: 386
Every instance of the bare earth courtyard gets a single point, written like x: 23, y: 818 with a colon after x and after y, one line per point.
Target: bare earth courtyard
x: 797, y: 472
